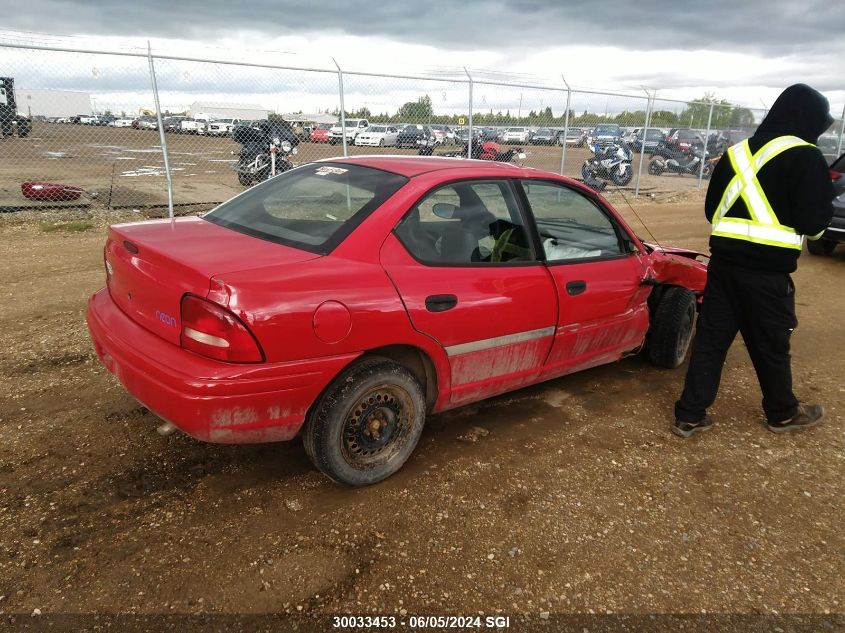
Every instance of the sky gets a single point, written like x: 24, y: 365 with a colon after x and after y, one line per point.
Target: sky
x: 744, y: 51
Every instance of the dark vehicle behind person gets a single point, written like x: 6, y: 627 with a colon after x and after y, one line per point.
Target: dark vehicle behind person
x: 835, y: 233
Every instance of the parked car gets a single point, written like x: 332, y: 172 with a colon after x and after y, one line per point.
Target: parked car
x: 353, y: 128
x: 172, y: 123
x: 605, y: 134
x: 105, y: 119
x: 378, y: 136
x: 222, y: 127
x: 444, y: 134
x: 411, y: 135
x: 545, y: 136
x: 835, y: 233
x: 147, y: 122
x: 321, y: 301
x: 124, y: 122
x: 87, y: 119
x: 683, y: 139
x: 653, y: 138
x: 320, y: 134
x: 829, y: 146
x: 193, y: 126
x: 574, y: 136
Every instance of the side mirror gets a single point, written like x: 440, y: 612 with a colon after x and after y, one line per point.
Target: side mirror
x: 444, y: 210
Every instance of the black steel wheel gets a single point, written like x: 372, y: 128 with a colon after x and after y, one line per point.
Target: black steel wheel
x: 366, y: 423
x: 672, y: 328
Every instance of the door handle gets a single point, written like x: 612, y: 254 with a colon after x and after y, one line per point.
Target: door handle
x: 440, y: 303
x: 575, y: 287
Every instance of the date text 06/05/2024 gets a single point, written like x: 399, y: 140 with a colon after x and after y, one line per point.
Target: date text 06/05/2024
x: 421, y: 621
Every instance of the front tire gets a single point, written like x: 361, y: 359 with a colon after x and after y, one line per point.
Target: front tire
x: 672, y: 328
x: 821, y: 246
x: 366, y: 423
x: 245, y: 179
x: 586, y: 174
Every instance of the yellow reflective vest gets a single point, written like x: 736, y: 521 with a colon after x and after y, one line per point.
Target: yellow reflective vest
x: 762, y: 227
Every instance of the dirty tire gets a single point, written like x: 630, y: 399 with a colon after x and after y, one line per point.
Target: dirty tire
x: 655, y: 168
x: 672, y: 328
x: 336, y: 436
x: 821, y: 246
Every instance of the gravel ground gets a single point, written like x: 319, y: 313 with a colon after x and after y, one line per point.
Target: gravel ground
x: 570, y: 497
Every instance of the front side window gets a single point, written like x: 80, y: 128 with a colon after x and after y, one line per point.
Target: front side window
x: 467, y: 223
x: 313, y: 207
x: 570, y: 225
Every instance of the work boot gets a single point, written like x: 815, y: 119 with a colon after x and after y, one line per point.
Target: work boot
x: 686, y: 429
x: 807, y: 415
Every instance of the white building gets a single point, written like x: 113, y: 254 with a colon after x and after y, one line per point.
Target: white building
x: 52, y: 103
x: 228, y: 110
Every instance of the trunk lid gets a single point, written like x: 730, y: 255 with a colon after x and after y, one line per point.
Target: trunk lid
x: 152, y: 265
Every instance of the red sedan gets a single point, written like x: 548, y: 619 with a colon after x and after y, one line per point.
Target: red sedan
x: 320, y: 134
x: 353, y: 297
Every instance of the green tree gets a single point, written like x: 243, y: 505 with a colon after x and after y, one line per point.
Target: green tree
x: 419, y: 111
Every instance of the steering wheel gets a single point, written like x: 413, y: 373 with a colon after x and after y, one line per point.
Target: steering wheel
x: 503, y: 247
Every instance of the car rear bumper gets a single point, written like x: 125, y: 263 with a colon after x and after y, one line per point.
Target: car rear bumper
x: 836, y: 230
x: 209, y: 400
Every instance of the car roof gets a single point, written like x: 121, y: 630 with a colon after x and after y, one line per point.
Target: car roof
x: 410, y: 166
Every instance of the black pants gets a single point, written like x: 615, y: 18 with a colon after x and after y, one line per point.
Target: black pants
x: 760, y: 305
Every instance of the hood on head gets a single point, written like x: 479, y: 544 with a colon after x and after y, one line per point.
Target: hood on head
x: 799, y: 111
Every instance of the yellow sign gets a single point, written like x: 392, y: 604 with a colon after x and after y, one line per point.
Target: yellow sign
x: 461, y: 121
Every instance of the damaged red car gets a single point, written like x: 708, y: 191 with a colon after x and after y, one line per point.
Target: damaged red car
x: 350, y: 298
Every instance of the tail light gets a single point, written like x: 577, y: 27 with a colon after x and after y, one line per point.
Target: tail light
x: 834, y: 175
x: 213, y: 331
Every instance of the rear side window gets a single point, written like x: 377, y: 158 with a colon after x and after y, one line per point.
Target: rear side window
x: 314, y: 207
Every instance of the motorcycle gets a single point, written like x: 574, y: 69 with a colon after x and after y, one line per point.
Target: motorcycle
x: 678, y: 162
x: 487, y: 150
x: 612, y: 162
x: 264, y: 152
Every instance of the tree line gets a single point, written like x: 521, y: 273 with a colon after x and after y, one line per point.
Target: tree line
x: 694, y: 115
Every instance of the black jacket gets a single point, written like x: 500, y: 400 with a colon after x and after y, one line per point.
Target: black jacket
x: 796, y: 182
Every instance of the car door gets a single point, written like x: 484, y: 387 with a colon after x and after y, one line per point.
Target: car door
x: 466, y: 269
x: 598, y: 276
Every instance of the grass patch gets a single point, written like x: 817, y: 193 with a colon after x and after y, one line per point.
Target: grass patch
x: 74, y: 226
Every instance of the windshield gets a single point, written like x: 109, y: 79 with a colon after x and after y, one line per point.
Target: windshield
x: 412, y: 128
x: 314, y: 207
x: 376, y: 128
x: 607, y: 129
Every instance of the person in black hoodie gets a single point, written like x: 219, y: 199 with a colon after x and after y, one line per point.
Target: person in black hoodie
x: 755, y: 244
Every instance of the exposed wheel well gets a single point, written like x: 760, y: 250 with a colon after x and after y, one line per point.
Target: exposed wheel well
x: 418, y: 362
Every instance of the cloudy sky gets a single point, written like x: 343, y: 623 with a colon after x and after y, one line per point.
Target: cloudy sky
x: 744, y: 51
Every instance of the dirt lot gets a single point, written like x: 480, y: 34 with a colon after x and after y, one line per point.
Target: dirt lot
x: 577, y: 500
x: 124, y: 168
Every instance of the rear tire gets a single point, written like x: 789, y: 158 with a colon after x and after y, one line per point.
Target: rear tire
x: 655, y: 168
x: 245, y: 179
x: 585, y: 171
x: 672, y: 328
x: 821, y: 246
x: 366, y: 423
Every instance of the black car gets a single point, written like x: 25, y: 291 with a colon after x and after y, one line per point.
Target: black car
x: 835, y: 233
x: 414, y: 136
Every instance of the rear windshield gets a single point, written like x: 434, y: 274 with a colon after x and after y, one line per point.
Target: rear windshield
x: 607, y: 129
x: 314, y: 207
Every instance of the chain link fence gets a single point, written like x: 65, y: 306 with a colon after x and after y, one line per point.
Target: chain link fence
x: 161, y: 134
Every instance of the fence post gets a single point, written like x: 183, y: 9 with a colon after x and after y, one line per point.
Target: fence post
x: 841, y: 132
x: 342, y: 106
x: 469, y: 135
x: 565, y: 124
x: 162, y: 140
x: 704, y: 155
x: 648, y: 107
